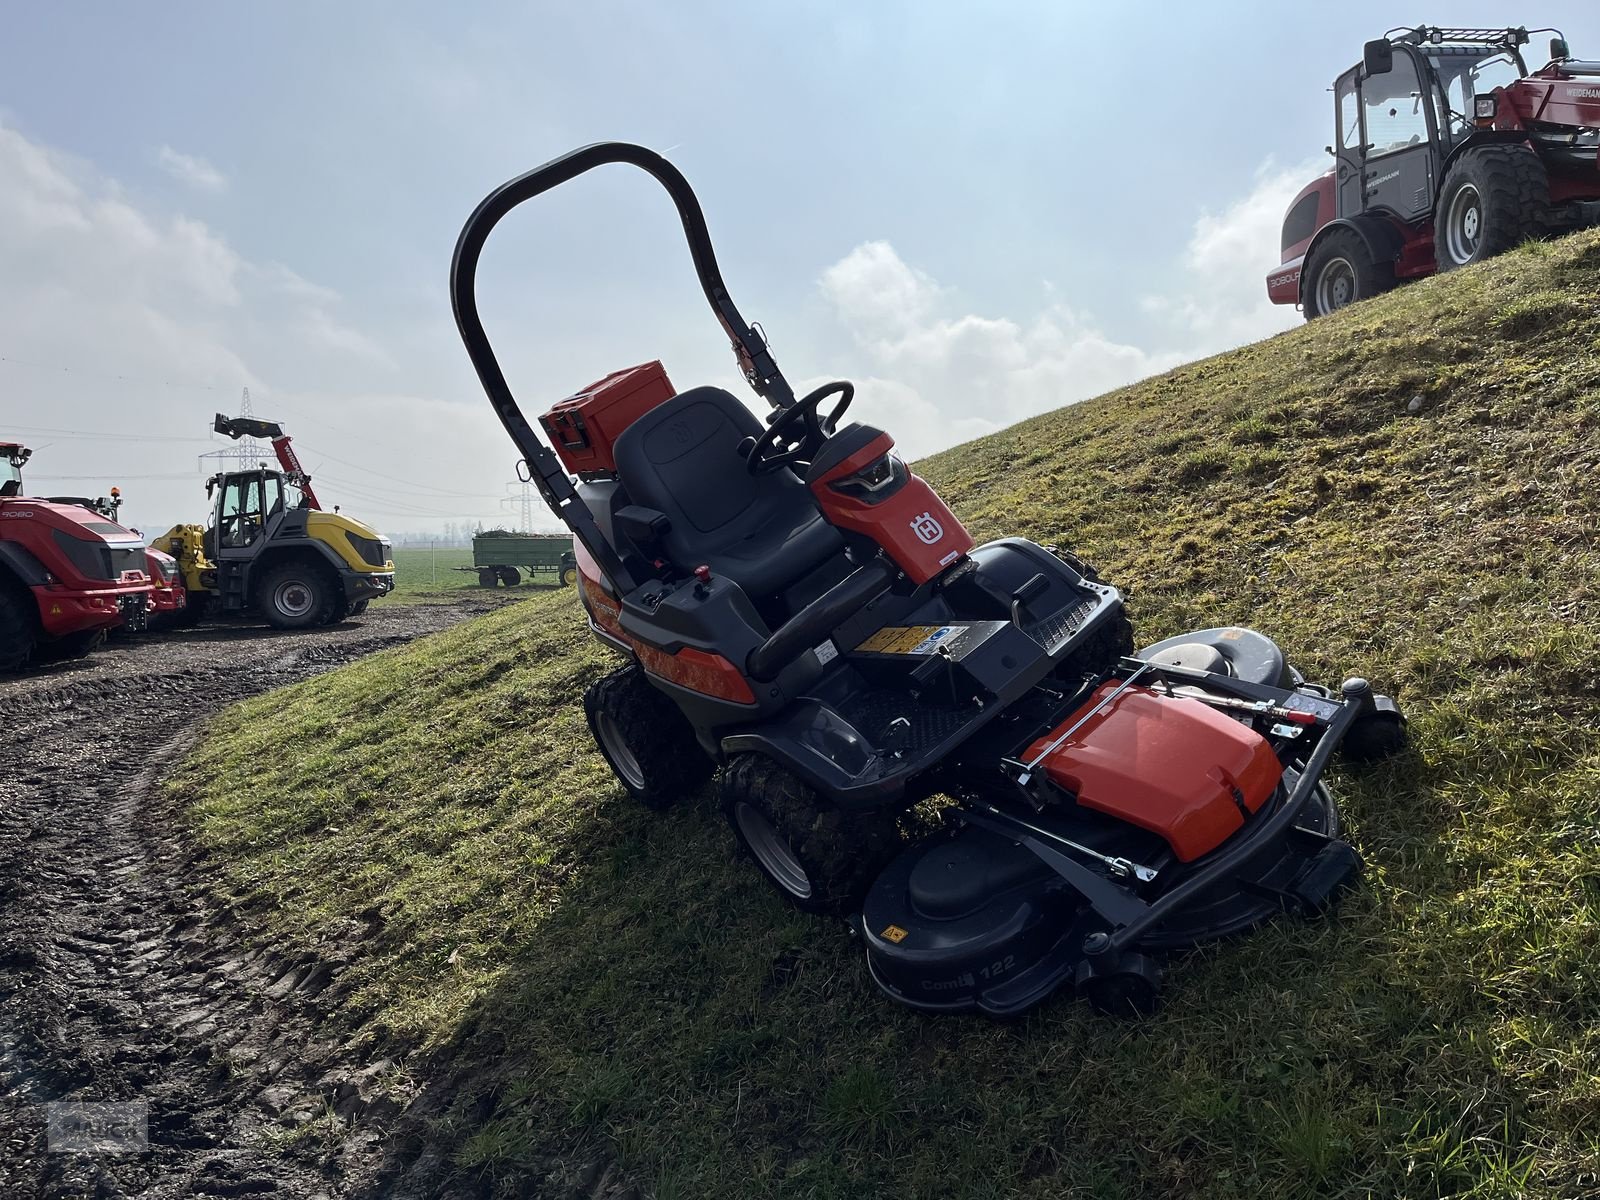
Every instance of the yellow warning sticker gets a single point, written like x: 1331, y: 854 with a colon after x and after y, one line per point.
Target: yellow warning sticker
x: 894, y: 933
x: 910, y: 639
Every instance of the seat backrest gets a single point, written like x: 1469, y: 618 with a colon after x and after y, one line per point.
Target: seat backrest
x: 682, y: 458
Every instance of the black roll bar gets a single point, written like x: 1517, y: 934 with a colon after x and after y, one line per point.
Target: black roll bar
x: 749, y: 346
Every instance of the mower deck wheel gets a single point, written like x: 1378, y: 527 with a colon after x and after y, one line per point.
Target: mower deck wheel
x: 650, y: 747
x: 1127, y: 986
x: 820, y: 858
x: 1341, y: 271
x: 1374, y: 737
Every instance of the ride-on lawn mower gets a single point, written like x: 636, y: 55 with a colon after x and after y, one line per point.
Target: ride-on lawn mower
x: 800, y: 609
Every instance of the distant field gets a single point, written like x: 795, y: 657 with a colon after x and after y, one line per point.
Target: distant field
x: 424, y: 575
x: 419, y: 574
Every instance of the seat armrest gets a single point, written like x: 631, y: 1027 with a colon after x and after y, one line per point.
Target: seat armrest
x: 640, y: 525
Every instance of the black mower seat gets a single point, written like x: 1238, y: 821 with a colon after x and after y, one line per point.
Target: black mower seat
x: 682, y: 459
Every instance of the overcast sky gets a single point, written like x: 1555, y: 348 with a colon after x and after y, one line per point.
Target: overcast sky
x: 975, y: 213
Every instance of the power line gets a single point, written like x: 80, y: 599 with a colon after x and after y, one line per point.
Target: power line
x: 18, y: 362
x: 409, y: 484
x: 101, y: 437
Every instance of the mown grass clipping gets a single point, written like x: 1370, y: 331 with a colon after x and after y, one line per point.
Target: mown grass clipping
x: 1405, y: 491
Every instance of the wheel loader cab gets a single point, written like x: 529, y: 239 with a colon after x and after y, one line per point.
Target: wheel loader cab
x: 685, y: 460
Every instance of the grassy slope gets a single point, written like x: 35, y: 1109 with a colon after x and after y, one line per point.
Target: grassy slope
x: 604, y: 982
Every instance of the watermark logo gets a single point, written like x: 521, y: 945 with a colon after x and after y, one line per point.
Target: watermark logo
x: 926, y: 528
x: 117, y: 1127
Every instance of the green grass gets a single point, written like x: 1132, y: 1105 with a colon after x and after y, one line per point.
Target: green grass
x: 430, y: 576
x: 582, y: 979
x: 422, y: 575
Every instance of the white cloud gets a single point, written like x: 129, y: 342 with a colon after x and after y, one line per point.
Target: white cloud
x: 191, y: 169
x: 118, y: 319
x: 1221, y: 299
x: 939, y: 378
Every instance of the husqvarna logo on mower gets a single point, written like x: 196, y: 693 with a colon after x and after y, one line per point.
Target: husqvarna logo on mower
x: 926, y: 528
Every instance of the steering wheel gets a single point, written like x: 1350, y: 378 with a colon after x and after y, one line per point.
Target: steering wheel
x: 782, y: 445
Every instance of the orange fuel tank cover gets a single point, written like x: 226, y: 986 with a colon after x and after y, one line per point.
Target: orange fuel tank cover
x: 1173, y: 766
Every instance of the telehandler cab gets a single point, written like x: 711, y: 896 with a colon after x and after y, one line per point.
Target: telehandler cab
x: 1446, y: 151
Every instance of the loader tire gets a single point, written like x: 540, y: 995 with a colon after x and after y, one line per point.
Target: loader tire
x: 1341, y: 271
x: 338, y: 608
x: 648, y: 743
x: 19, y: 628
x: 820, y: 858
x: 295, y: 595
x: 69, y: 646
x: 1494, y: 199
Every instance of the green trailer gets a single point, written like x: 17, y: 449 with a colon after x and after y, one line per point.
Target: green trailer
x: 502, y: 557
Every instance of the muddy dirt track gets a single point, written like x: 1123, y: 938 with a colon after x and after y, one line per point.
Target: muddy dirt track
x: 118, y: 981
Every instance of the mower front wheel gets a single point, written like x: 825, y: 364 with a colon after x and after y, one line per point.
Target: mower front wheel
x: 820, y: 858
x: 648, y: 744
x: 1341, y: 271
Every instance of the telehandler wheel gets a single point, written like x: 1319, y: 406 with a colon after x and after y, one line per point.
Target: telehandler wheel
x: 19, y: 629
x: 1495, y: 198
x: 820, y: 858
x: 295, y: 595
x: 647, y: 742
x: 1340, y: 271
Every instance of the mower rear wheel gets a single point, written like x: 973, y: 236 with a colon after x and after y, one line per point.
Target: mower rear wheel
x: 1494, y: 199
x: 1341, y: 271
x: 19, y: 628
x: 295, y: 595
x: 820, y: 858
x: 649, y: 745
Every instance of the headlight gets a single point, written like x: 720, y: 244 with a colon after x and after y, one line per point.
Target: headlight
x: 1483, y: 107
x: 373, y: 551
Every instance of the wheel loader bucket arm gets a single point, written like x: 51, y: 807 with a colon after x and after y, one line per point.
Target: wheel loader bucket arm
x: 243, y: 427
x: 282, y: 446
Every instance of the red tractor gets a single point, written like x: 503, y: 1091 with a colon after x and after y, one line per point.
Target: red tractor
x: 1447, y: 151
x: 168, y: 597
x: 67, y: 574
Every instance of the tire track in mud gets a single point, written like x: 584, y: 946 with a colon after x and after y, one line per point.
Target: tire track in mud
x: 121, y: 980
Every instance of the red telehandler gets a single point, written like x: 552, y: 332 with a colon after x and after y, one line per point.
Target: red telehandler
x: 1447, y: 150
x: 67, y: 574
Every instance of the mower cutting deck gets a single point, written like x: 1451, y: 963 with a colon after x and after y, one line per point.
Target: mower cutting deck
x: 798, y: 608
